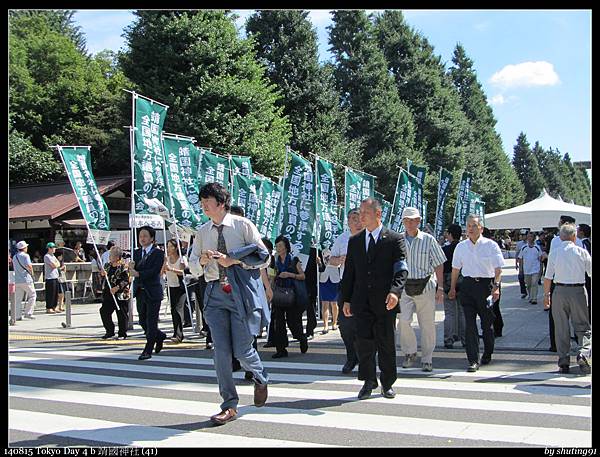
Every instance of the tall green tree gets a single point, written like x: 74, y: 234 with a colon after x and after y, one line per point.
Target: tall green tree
x: 500, y: 184
x: 195, y: 62
x: 286, y: 43
x: 527, y: 169
x: 377, y: 115
x: 57, y: 94
x: 28, y: 164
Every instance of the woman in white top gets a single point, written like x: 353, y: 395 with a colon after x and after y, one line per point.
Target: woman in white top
x: 329, y: 288
x: 174, y: 268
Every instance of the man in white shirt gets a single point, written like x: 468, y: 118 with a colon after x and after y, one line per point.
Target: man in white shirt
x: 24, y: 288
x: 481, y: 262
x: 529, y: 258
x: 554, y: 243
x: 520, y: 244
x: 424, y: 257
x: 567, y: 266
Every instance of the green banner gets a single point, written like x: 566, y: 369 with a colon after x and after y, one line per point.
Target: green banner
x: 358, y: 186
x: 476, y: 205
x: 461, y: 210
x: 213, y: 168
x: 149, y: 181
x: 269, y: 197
x: 299, y: 206
x: 181, y: 165
x: 327, y: 205
x: 78, y: 164
x: 402, y: 199
x: 246, y: 195
x: 419, y: 173
x: 386, y: 209
x: 443, y: 190
x: 241, y: 165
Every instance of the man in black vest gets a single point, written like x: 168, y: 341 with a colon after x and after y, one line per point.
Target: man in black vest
x: 146, y: 266
x: 375, y: 271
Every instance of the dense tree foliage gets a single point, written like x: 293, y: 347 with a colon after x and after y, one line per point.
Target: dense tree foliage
x: 195, y: 62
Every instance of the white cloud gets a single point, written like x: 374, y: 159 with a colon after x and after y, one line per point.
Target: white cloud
x: 497, y: 100
x: 526, y: 74
x: 482, y: 26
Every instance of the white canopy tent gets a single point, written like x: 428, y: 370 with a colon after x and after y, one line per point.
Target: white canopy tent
x: 537, y: 214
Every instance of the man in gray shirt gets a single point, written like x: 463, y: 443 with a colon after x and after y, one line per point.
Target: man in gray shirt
x: 24, y: 288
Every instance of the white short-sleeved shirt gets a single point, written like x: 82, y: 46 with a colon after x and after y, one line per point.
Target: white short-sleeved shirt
x: 478, y: 260
x: 556, y: 242
x: 340, y: 248
x: 568, y: 263
x: 49, y: 271
x: 531, y: 259
x: 20, y: 262
x: 172, y: 277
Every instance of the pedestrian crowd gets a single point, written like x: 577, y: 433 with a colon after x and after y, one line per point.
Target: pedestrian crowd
x: 370, y: 284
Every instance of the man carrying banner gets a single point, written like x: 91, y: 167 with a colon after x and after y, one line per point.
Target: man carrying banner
x: 231, y: 253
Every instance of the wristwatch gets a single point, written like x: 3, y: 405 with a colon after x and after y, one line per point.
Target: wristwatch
x: 496, y: 284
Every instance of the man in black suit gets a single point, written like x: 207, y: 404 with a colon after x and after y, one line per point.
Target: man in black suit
x: 374, y: 275
x: 146, y: 266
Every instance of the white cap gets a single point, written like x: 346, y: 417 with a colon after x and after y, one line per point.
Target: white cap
x: 410, y: 213
x: 22, y: 245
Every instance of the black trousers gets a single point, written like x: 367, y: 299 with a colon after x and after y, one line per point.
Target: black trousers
x: 473, y: 296
x: 177, y: 306
x: 375, y: 334
x: 51, y: 288
x: 522, y: 284
x: 108, y: 308
x: 311, y: 315
x: 498, y: 321
x: 347, y: 326
x: 148, y: 311
x: 290, y: 317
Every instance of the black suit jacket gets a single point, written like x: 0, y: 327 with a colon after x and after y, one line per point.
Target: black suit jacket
x: 367, y: 282
x: 149, y: 269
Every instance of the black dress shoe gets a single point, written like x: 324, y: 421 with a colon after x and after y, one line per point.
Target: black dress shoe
x: 303, y: 346
x: 348, y: 367
x: 107, y: 336
x: 564, y: 369
x: 485, y: 359
x: 366, y: 390
x: 159, y: 345
x: 280, y: 354
x: 144, y: 356
x: 473, y: 367
x: 388, y: 393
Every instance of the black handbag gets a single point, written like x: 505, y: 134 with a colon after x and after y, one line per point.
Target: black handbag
x: 283, y: 297
x: 414, y: 287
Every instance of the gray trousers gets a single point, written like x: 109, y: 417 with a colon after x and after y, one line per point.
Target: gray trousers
x: 231, y: 336
x: 569, y: 303
x: 454, y: 321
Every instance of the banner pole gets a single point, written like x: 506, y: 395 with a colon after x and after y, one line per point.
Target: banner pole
x: 87, y: 223
x: 132, y: 222
x: 395, y: 193
x: 187, y: 296
x: 318, y: 237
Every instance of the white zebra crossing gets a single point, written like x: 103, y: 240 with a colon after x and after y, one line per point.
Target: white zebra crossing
x: 35, y: 364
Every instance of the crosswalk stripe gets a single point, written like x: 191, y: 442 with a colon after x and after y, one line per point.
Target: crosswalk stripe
x: 437, y: 373
x: 325, y: 418
x: 145, y: 436
x: 518, y: 388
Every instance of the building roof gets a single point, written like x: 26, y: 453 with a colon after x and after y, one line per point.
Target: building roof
x: 51, y: 200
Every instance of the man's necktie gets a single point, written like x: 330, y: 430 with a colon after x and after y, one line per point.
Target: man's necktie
x: 222, y: 248
x: 144, y: 254
x: 371, y: 250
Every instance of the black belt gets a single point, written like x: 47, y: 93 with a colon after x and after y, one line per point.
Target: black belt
x: 479, y: 279
x: 569, y: 285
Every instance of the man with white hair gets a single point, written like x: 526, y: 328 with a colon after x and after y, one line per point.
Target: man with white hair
x: 567, y: 266
x: 24, y: 288
x: 422, y: 290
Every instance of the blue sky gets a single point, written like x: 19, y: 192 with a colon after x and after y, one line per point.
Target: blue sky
x: 534, y: 66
